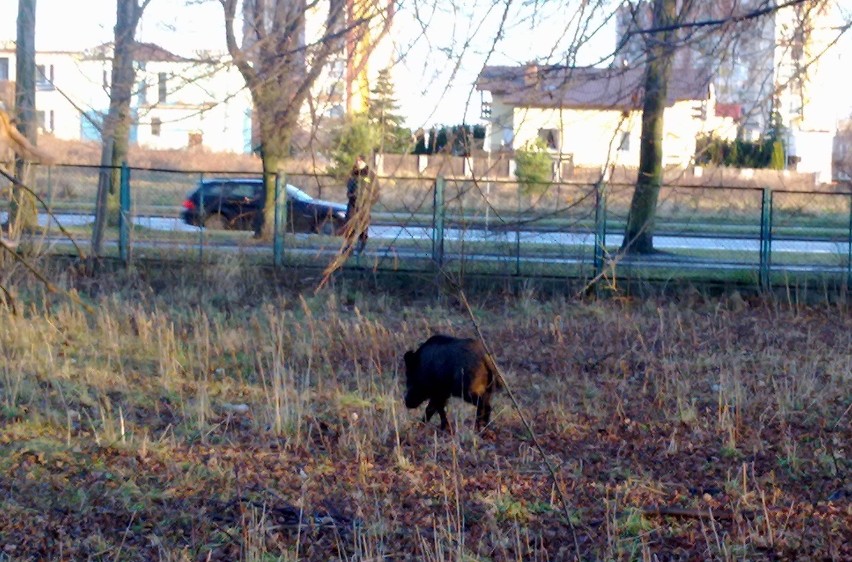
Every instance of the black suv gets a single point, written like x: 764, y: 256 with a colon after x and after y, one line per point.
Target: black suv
x: 235, y: 204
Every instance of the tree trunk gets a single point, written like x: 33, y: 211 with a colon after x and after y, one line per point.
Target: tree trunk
x: 116, y: 126
x: 639, y: 234
x: 275, y: 150
x: 265, y: 227
x: 23, y: 212
x: 279, y: 69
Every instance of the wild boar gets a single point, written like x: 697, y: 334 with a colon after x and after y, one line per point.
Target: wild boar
x: 445, y: 366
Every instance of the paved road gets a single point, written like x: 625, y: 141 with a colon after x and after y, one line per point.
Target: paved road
x: 580, y: 239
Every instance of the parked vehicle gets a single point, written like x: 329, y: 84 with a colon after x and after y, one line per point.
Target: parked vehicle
x: 235, y: 204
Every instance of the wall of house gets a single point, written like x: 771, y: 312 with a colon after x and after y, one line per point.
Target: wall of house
x: 209, y: 99
x: 814, y: 148
x: 681, y: 126
x: 192, y: 107
x: 501, y: 129
x: 589, y: 137
x: 598, y: 137
x: 72, y: 90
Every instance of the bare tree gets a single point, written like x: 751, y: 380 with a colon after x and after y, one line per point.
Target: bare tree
x: 638, y: 236
x: 280, y: 64
x: 678, y: 25
x: 23, y: 211
x: 116, y: 126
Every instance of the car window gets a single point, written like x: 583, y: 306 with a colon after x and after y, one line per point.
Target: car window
x: 244, y: 190
x: 212, y: 189
x: 295, y: 193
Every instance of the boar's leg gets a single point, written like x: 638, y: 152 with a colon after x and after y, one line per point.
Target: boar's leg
x: 483, y: 412
x: 437, y: 406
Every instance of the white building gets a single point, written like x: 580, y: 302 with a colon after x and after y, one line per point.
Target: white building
x: 177, y: 102
x: 343, y: 85
x: 780, y: 61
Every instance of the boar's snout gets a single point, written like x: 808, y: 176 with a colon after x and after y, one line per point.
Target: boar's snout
x: 413, y: 396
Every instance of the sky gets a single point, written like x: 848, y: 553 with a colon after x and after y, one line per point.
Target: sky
x: 439, y: 52
x: 435, y: 68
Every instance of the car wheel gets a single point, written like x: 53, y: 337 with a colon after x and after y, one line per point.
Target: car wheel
x: 216, y: 221
x: 326, y: 227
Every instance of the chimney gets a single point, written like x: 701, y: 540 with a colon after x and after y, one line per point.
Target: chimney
x: 531, y: 77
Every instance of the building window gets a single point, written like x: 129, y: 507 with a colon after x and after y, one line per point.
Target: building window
x: 143, y: 92
x: 45, y: 121
x: 156, y: 126
x: 550, y: 138
x: 163, y: 83
x: 4, y: 68
x: 44, y: 77
x: 624, y: 144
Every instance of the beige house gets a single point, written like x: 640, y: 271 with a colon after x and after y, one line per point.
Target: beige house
x: 592, y: 117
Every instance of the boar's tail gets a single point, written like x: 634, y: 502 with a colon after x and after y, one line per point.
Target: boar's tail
x: 495, y: 374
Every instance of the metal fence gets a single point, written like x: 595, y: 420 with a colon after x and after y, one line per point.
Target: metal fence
x: 478, y: 226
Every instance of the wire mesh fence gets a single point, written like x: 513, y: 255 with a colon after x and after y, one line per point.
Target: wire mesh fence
x: 457, y: 224
x: 811, y: 231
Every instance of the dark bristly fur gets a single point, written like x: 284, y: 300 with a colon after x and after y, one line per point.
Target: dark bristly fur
x: 445, y: 366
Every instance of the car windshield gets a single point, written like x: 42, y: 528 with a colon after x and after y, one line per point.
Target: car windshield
x: 296, y: 193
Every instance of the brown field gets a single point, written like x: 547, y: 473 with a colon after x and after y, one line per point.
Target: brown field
x: 213, y: 415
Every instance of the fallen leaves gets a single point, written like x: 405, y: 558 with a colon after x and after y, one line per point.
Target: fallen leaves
x: 657, y: 452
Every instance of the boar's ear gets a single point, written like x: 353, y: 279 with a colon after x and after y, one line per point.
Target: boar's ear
x: 410, y: 360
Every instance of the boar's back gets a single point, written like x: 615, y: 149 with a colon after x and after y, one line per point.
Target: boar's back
x: 445, y: 357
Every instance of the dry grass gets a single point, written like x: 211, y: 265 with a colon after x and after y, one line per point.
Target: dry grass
x: 218, y: 418
x: 190, y: 160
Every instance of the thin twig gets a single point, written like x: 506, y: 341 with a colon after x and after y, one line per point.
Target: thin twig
x: 527, y: 425
x: 50, y: 214
x: 7, y: 298
x: 51, y: 288
x: 692, y: 513
x: 124, y: 537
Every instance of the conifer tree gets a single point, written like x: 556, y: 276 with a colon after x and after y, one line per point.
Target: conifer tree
x: 382, y: 112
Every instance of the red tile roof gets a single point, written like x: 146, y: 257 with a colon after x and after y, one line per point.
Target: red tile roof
x: 142, y: 52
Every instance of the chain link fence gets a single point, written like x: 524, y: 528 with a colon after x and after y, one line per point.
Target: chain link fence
x: 462, y: 225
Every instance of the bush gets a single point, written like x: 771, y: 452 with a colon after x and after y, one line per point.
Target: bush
x: 739, y: 153
x: 534, y: 166
x: 458, y: 140
x: 777, y: 161
x: 356, y: 136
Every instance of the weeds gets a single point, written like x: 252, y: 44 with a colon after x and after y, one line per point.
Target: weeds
x: 268, y: 425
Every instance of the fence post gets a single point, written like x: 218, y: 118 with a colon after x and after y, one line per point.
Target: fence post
x: 518, y: 231
x: 50, y: 189
x: 849, y: 251
x: 280, y: 221
x: 765, y: 238
x: 124, y: 214
x: 438, y: 212
x: 201, y: 217
x: 600, y: 228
